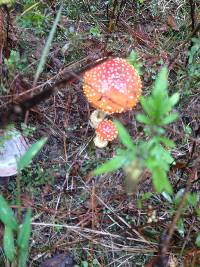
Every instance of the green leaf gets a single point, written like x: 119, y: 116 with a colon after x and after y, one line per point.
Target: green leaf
x: 143, y: 119
x: 160, y: 181
x: 132, y: 59
x: 23, y: 257
x: 124, y: 135
x: 180, y: 227
x: 192, y: 199
x: 165, y: 155
x: 197, y: 242
x: 161, y: 84
x: 170, y: 118
x: 7, y: 215
x: 158, y: 105
x: 84, y: 264
x: 95, y: 31
x: 166, y: 141
x: 26, y: 159
x: 158, y: 156
x: 8, y: 243
x: 147, y: 105
x: 25, y: 231
x: 47, y: 46
x: 174, y: 99
x: 111, y: 165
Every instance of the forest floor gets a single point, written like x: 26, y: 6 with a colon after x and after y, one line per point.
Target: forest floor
x: 93, y: 219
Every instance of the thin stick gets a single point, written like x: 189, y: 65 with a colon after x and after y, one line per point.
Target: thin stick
x: 192, y: 13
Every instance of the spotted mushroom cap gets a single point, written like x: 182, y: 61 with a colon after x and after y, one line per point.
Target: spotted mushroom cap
x: 113, y: 86
x: 106, y: 130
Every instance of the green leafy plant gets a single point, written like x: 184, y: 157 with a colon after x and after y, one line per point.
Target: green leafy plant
x: 28, y: 130
x: 133, y: 60
x: 193, y: 60
x: 198, y: 240
x: 14, y: 62
x: 33, y: 179
x: 33, y: 16
x: 193, y: 68
x: 95, y: 31
x: 16, y: 235
x: 191, y: 203
x: 152, y: 154
x: 7, y: 135
x: 191, y: 74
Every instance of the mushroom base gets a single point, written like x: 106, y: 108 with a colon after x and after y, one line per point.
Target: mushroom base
x: 99, y: 142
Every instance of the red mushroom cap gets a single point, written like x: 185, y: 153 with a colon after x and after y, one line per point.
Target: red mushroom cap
x: 106, y: 130
x: 113, y: 86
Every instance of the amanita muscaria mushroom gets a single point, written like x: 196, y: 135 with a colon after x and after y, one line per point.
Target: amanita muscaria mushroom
x: 105, y: 131
x: 113, y: 86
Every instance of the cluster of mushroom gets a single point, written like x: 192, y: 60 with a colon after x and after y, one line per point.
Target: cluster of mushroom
x: 112, y: 87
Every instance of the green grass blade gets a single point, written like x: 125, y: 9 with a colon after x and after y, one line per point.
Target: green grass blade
x: 8, y: 244
x: 161, y: 84
x: 111, y: 165
x: 47, y: 46
x: 160, y: 181
x: 31, y: 153
x: 7, y: 215
x: 25, y: 231
x: 124, y: 135
x: 23, y: 257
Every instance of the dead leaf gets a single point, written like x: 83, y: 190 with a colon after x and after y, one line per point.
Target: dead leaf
x: 172, y: 23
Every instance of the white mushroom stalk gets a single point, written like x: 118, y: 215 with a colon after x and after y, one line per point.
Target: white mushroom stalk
x: 96, y: 117
x: 99, y: 142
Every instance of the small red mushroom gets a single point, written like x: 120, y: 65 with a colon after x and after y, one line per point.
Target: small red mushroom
x: 113, y: 86
x: 105, y: 131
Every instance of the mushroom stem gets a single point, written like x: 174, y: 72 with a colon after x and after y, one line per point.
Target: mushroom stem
x: 96, y: 117
x: 99, y: 142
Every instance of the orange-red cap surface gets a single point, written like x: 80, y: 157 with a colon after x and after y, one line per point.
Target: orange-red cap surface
x: 106, y: 130
x: 113, y: 86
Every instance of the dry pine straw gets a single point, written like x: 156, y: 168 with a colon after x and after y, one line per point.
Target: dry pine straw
x: 94, y: 216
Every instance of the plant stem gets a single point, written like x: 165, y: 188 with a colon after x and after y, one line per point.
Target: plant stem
x: 18, y: 198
